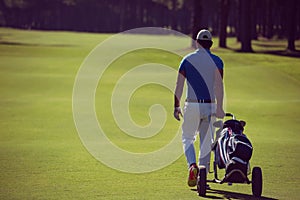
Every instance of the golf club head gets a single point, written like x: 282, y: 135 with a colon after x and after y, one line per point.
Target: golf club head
x: 243, y: 123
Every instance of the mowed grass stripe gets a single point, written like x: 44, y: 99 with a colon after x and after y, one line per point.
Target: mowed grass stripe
x: 42, y: 156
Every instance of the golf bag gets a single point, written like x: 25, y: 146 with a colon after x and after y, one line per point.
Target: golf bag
x: 233, y: 149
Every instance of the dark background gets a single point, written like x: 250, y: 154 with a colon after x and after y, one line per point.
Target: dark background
x: 245, y: 19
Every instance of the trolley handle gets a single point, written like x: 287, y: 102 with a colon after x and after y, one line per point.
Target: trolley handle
x: 230, y: 115
x: 226, y: 115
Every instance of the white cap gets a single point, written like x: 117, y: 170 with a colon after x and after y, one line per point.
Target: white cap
x: 204, y: 35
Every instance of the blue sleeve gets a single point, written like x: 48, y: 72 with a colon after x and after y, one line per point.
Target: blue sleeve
x: 182, y: 65
x: 218, y: 61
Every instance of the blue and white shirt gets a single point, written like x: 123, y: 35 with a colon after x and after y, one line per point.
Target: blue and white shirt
x: 199, y: 69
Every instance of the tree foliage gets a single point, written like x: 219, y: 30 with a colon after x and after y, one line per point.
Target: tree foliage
x: 264, y: 18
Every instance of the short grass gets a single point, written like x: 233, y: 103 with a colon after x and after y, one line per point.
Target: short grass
x: 42, y: 156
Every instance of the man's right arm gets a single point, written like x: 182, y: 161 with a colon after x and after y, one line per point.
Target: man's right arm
x: 179, y: 88
x: 178, y: 94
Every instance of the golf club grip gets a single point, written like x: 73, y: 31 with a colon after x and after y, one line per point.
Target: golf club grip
x: 229, y: 115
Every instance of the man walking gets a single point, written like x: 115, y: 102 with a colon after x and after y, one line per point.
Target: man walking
x: 204, y: 74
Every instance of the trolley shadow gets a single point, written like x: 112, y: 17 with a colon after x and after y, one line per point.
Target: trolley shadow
x: 210, y: 194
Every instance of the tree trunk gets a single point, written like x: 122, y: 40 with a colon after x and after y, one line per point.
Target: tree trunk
x: 291, y: 23
x: 4, y: 11
x: 269, y: 18
x: 223, y: 22
x: 196, y: 21
x: 238, y: 21
x: 174, y: 15
x: 253, y: 20
x: 245, y: 25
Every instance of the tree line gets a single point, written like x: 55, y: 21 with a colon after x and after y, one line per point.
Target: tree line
x: 244, y: 19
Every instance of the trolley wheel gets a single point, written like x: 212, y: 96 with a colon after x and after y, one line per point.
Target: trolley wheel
x: 201, y: 183
x: 257, y: 181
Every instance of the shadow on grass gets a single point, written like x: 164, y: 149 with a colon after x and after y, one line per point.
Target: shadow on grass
x: 270, y: 45
x: 287, y: 53
x: 28, y: 44
x: 284, y: 52
x: 231, y: 195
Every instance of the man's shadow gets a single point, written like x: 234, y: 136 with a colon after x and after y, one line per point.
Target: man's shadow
x: 231, y: 195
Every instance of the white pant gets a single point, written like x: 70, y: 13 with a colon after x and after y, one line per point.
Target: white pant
x: 197, y: 118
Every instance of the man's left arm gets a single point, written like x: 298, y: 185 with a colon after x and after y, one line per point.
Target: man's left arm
x: 219, y: 92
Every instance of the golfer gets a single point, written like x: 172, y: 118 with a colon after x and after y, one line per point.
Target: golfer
x: 204, y: 74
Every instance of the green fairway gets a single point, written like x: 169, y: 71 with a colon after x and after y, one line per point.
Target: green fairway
x: 42, y: 156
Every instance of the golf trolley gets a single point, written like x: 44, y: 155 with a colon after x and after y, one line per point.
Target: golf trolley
x: 235, y: 174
